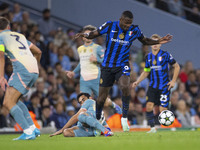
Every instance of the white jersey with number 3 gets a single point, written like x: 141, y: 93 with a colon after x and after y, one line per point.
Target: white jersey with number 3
x: 16, y: 47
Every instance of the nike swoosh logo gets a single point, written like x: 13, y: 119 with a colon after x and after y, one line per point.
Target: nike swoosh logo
x: 113, y: 31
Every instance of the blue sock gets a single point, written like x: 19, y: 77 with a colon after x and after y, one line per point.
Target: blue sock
x: 91, y: 121
x: 18, y: 115
x: 25, y: 112
x: 125, y: 102
x: 150, y: 118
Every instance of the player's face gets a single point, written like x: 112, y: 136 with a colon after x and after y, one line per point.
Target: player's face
x: 87, y: 40
x: 82, y: 99
x: 125, y: 23
x: 155, y: 47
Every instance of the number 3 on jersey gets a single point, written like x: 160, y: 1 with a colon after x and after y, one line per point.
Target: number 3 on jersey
x: 17, y: 39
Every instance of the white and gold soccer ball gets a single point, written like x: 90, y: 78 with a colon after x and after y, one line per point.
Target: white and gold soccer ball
x: 166, y: 117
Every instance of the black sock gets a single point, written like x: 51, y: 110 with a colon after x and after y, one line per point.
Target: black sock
x: 150, y: 118
x: 99, y: 108
x: 125, y: 102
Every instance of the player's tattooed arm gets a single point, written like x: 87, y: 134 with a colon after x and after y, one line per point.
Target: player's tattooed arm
x: 91, y: 35
x: 163, y: 40
x: 148, y: 41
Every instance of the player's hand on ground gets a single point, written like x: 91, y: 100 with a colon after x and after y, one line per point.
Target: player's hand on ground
x: 166, y: 39
x: 3, y: 83
x: 135, y: 84
x: 93, y: 58
x: 170, y: 85
x: 70, y: 74
x: 56, y: 133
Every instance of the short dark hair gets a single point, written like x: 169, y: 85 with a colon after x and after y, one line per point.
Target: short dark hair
x: 85, y: 94
x: 46, y: 11
x: 127, y: 14
x: 4, y: 23
x: 89, y: 27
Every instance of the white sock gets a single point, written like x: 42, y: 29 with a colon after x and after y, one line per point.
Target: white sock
x: 32, y: 127
x: 113, y: 105
x: 28, y: 131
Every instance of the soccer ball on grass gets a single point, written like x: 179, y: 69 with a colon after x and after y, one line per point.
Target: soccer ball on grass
x: 166, y: 118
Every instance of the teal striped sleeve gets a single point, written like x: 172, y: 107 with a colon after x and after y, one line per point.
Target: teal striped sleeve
x: 147, y: 69
x: 29, y: 43
x: 77, y: 69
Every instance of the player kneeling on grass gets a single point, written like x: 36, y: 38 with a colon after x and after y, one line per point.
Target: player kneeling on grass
x: 156, y: 67
x: 87, y: 124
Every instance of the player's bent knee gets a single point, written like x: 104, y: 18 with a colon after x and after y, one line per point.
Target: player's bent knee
x: 162, y: 108
x: 125, y: 89
x: 68, y: 133
x: 149, y: 106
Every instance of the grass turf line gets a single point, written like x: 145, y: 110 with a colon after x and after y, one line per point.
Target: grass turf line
x: 165, y: 140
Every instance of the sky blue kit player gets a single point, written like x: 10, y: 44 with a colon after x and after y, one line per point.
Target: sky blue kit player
x: 25, y: 57
x: 87, y: 124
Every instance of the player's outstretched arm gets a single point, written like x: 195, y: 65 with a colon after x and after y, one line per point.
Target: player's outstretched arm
x: 73, y: 120
x: 175, y: 76
x: 141, y: 77
x: 163, y: 40
x: 3, y: 81
x: 37, y: 53
x: 57, y: 133
x: 91, y: 35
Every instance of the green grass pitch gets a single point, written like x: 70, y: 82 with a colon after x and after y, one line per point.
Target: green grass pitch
x: 162, y: 140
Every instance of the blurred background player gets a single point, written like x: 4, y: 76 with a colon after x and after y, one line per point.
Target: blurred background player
x: 86, y: 118
x: 25, y: 58
x: 115, y: 66
x: 91, y: 56
x: 156, y: 67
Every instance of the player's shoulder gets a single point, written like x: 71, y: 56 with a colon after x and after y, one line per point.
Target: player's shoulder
x: 97, y: 46
x: 164, y: 52
x: 107, y: 23
x: 15, y: 33
x: 80, y: 47
x: 134, y: 27
x: 149, y: 54
x: 89, y: 102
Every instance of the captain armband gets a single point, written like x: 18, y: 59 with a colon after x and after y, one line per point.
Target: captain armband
x: 147, y: 69
x: 2, y: 48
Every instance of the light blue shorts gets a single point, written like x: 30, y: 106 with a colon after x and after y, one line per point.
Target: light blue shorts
x: 22, y: 80
x: 91, y: 86
x: 84, y: 132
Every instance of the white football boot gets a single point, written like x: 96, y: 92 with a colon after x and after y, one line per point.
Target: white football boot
x: 153, y: 130
x: 125, y: 125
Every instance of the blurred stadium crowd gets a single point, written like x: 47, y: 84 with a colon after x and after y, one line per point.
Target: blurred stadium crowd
x: 52, y: 100
x: 187, y: 9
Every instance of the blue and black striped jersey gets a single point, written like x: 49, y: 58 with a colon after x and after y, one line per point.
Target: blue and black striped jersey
x: 158, y: 66
x: 118, y: 43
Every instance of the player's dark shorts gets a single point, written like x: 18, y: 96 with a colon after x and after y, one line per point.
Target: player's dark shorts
x: 158, y: 97
x: 109, y: 75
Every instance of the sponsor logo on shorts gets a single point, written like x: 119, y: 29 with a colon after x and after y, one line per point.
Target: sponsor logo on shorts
x: 101, y: 81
